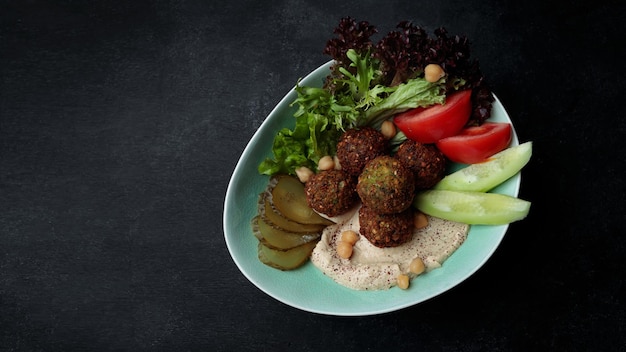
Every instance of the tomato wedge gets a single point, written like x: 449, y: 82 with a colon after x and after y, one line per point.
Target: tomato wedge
x: 428, y: 125
x: 476, y: 144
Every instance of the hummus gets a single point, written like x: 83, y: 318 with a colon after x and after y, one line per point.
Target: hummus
x: 374, y: 268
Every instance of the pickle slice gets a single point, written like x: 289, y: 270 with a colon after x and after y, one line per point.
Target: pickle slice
x: 285, y: 260
x: 277, y: 238
x: 483, y: 177
x: 271, y: 215
x: 474, y: 208
x: 288, y: 197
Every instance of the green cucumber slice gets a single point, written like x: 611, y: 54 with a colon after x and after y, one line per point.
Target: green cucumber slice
x: 474, y: 208
x: 484, y: 176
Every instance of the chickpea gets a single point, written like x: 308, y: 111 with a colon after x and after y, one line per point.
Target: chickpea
x: 344, y: 249
x: 349, y: 236
x: 337, y: 164
x: 326, y: 163
x: 417, y: 266
x: 420, y: 220
x: 304, y: 174
x: 403, y: 281
x: 433, y: 72
x: 388, y: 129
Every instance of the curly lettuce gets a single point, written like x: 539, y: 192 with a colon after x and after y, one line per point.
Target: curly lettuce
x: 322, y: 115
x: 370, y: 82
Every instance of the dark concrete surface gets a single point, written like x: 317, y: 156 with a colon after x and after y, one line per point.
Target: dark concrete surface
x: 121, y: 123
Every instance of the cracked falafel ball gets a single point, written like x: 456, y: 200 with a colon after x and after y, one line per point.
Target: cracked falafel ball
x: 357, y: 146
x: 386, y: 230
x: 331, y: 192
x: 427, y: 163
x: 386, y: 186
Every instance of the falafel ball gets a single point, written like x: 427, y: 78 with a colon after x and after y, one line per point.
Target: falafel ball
x: 386, y: 230
x: 386, y: 186
x: 427, y: 163
x: 331, y: 192
x: 357, y: 146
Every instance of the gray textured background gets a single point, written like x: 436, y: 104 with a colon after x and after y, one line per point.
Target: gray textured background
x: 122, y: 121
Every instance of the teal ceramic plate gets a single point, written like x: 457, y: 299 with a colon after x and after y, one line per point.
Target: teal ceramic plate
x: 307, y: 288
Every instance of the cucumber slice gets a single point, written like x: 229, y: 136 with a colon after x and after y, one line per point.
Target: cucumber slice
x: 484, y: 176
x: 474, y: 208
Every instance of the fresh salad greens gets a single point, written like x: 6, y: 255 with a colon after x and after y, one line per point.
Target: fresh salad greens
x: 370, y: 83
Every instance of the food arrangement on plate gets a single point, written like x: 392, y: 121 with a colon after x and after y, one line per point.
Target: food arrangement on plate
x: 389, y: 163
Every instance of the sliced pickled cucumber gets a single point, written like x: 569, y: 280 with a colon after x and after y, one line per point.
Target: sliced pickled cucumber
x: 485, y: 176
x: 278, y: 238
x: 474, y: 208
x: 289, y: 198
x: 285, y: 260
x: 271, y: 215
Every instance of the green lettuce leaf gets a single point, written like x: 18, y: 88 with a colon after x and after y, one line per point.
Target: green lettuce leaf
x: 322, y: 116
x: 412, y: 94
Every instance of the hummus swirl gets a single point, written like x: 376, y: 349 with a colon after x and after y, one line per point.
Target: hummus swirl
x: 374, y: 268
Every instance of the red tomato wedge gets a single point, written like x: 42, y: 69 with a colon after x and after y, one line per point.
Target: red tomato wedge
x: 428, y: 125
x: 476, y: 144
